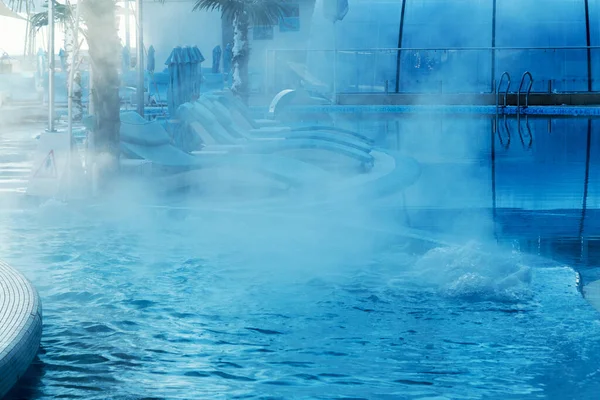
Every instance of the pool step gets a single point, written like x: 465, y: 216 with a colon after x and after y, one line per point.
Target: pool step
x: 592, y: 293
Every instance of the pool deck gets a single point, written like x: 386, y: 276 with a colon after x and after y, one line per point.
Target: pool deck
x: 20, y: 326
x: 15, y: 114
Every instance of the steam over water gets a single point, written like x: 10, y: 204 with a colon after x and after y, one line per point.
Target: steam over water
x: 249, y: 303
x: 185, y: 310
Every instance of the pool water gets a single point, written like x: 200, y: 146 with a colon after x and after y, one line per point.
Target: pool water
x: 345, y: 302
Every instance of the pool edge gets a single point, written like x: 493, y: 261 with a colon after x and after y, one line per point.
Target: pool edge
x: 20, y: 326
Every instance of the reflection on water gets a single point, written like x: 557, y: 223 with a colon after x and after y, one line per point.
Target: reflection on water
x: 549, y: 189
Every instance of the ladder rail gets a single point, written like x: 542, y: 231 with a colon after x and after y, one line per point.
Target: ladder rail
x: 507, y: 129
x: 526, y: 74
x: 497, y: 130
x: 528, y: 134
x: 498, y: 85
x: 505, y: 92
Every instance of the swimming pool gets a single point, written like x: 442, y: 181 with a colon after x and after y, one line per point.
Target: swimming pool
x: 336, y: 303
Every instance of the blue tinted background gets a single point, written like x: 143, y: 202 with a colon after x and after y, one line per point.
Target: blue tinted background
x: 374, y: 24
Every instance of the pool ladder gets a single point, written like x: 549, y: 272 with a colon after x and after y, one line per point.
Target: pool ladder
x: 527, y: 74
x: 505, y: 142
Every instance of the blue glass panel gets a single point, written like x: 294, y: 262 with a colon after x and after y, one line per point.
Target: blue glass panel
x: 290, y: 20
x: 558, y: 23
x: 594, y: 6
x: 446, y: 24
x: 368, y: 25
x: 458, y: 24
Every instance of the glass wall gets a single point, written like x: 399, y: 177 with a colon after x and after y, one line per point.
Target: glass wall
x: 376, y: 28
x: 446, y: 24
x: 551, y: 23
x: 535, y: 32
x: 369, y: 25
x: 594, y: 6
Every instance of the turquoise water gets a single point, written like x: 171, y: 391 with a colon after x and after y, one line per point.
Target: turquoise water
x: 344, y: 302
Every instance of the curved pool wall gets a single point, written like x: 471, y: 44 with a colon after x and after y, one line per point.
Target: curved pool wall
x: 20, y: 326
x: 567, y: 111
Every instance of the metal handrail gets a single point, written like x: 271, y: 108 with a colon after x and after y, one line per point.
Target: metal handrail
x: 498, y: 99
x: 505, y: 92
x: 527, y: 73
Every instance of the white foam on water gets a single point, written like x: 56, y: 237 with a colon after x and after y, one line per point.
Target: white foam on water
x: 469, y: 272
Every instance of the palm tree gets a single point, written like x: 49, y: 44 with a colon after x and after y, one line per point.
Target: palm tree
x: 63, y: 14
x: 242, y: 13
x: 73, y: 62
x: 101, y: 34
x: 104, y: 53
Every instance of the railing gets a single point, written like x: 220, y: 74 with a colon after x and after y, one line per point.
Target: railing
x: 430, y: 70
x: 507, y: 75
x: 496, y: 120
x: 527, y: 74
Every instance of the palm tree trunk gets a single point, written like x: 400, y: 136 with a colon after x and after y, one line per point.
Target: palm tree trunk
x: 104, y: 51
x: 241, y: 52
x: 72, y: 62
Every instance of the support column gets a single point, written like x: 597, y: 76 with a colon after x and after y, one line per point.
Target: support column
x: 400, y: 34
x: 493, y: 83
x: 127, y: 28
x: 51, y: 65
x: 588, y: 41
x: 493, y: 177
x: 586, y: 181
x: 140, y: 58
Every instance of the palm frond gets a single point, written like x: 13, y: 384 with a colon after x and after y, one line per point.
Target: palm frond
x: 20, y: 5
x: 265, y: 12
x: 63, y: 14
x: 259, y: 12
x: 215, y: 5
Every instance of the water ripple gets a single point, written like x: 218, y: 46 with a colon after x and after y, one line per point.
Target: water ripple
x: 160, y: 314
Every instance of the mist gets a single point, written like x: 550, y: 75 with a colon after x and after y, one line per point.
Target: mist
x: 279, y: 218
x: 289, y: 222
x: 285, y: 240
x: 253, y: 268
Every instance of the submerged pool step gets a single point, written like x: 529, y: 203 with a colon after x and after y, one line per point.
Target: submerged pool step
x: 592, y: 294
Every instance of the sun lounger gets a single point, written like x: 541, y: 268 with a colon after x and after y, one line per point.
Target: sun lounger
x: 205, y: 123
x: 243, y: 116
x: 224, y: 117
x: 143, y: 140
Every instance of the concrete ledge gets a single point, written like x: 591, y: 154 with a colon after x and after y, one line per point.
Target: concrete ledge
x: 475, y: 99
x: 550, y: 111
x: 20, y: 326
